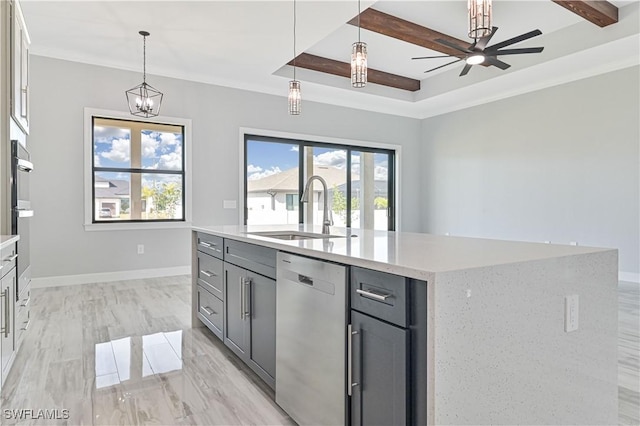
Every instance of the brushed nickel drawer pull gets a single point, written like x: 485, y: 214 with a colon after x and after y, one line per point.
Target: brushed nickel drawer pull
x: 375, y: 296
x: 208, y: 273
x: 11, y: 258
x: 208, y: 311
x: 206, y: 244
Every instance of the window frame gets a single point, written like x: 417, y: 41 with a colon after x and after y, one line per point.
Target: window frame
x: 89, y: 189
x: 394, y: 152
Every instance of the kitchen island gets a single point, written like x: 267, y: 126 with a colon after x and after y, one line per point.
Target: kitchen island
x: 497, y: 351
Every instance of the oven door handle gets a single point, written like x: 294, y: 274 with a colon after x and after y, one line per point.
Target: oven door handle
x: 24, y: 213
x: 24, y: 165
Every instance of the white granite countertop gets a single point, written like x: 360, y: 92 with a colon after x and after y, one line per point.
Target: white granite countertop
x: 6, y: 240
x: 413, y: 255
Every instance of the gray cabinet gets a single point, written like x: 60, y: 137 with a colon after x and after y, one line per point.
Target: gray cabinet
x: 388, y: 349
x: 250, y: 319
x: 237, y: 324
x: 380, y: 372
x: 7, y: 329
x: 19, y: 68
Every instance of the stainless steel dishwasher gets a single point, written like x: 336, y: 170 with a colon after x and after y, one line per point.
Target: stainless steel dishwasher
x: 310, y: 340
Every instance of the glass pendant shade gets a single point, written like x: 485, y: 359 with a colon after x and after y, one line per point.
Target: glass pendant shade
x: 294, y: 97
x: 359, y: 64
x: 479, y: 18
x: 144, y: 100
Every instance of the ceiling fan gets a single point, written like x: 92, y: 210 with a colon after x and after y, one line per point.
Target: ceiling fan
x: 478, y: 52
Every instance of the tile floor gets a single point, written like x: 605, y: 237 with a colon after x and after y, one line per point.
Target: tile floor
x: 124, y: 353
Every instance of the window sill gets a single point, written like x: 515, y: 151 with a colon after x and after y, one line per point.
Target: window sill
x: 135, y: 226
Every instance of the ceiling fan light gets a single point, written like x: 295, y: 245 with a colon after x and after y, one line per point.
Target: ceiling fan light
x: 479, y: 18
x: 359, y: 64
x: 294, y: 97
x: 476, y: 59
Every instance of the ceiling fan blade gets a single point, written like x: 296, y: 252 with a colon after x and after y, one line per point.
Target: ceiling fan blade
x: 518, y: 39
x: 433, y: 57
x: 497, y: 63
x: 442, y: 66
x: 453, y: 45
x: 483, y: 41
x: 515, y: 51
x: 465, y: 70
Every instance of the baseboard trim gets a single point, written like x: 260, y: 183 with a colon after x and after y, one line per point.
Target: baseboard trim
x: 103, y: 277
x: 631, y: 277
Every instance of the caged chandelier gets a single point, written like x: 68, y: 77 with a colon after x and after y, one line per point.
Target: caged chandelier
x: 359, y: 60
x: 479, y: 18
x: 294, y: 97
x: 144, y: 100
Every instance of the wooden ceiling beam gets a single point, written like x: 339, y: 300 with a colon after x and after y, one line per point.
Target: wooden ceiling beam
x: 343, y: 69
x: 392, y: 26
x: 599, y: 12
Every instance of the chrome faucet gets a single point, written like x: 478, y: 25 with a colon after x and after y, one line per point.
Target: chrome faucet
x: 327, y: 220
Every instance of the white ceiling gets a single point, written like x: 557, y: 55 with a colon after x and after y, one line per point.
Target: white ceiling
x: 244, y: 44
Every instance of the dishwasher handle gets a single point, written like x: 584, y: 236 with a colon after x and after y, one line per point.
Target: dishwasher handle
x: 305, y: 279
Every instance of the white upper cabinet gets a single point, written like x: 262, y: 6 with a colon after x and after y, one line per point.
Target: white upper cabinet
x: 19, y: 68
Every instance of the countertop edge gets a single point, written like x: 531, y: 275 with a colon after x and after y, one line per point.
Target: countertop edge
x: 7, y: 240
x: 349, y: 259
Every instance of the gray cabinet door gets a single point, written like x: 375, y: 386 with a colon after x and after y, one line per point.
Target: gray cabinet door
x: 380, y: 369
x: 263, y: 324
x: 7, y: 287
x: 237, y: 324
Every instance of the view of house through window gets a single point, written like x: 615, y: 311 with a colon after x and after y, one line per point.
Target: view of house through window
x: 138, y: 171
x: 359, y: 181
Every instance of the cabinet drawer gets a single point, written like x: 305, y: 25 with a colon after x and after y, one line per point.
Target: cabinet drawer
x: 210, y: 244
x: 210, y: 311
x: 210, y: 274
x: 380, y: 295
x: 8, y: 256
x: 249, y: 256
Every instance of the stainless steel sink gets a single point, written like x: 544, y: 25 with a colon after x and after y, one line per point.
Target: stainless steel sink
x: 293, y: 235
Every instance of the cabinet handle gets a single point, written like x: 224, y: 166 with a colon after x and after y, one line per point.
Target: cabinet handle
x: 375, y: 296
x: 7, y: 316
x: 208, y: 273
x: 26, y: 302
x: 350, y: 383
x: 241, y: 298
x: 10, y: 258
x: 208, y: 311
x: 3, y: 328
x: 207, y: 245
x: 247, y: 295
x: 26, y: 325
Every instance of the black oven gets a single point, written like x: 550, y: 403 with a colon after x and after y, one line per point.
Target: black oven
x: 21, y: 210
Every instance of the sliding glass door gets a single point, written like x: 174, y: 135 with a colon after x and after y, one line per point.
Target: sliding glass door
x: 360, y: 183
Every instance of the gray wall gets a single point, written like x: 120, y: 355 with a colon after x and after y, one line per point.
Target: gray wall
x: 560, y: 164
x: 60, y: 91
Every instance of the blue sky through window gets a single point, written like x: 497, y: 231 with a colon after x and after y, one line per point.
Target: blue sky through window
x: 160, y: 150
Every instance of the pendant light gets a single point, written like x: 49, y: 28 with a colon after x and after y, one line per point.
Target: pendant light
x: 294, y: 85
x: 359, y: 60
x: 479, y: 18
x: 144, y: 100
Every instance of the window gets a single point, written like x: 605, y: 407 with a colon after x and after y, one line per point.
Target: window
x: 136, y: 171
x: 359, y: 180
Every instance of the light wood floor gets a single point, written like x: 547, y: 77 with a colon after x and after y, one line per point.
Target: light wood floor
x: 124, y: 353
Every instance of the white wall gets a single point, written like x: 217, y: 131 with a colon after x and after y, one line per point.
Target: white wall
x: 61, y: 89
x: 561, y: 164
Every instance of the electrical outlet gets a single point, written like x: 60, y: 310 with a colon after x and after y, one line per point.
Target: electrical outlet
x: 571, y: 313
x: 140, y: 248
